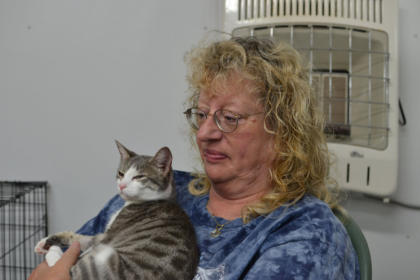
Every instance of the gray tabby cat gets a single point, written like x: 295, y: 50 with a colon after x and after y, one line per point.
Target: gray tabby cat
x: 149, y: 238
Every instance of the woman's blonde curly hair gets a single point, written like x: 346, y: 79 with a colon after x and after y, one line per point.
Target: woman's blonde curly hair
x: 292, y: 116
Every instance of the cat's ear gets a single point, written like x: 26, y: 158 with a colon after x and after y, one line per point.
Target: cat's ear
x: 163, y: 160
x: 124, y: 152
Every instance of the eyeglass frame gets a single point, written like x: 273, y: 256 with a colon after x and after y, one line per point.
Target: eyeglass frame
x: 188, y: 115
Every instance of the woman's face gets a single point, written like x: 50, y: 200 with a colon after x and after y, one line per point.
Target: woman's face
x: 244, y: 154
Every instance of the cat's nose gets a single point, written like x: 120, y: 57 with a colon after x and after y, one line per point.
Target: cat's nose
x: 122, y: 186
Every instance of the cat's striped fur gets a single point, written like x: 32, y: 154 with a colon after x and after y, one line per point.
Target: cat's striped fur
x: 150, y: 238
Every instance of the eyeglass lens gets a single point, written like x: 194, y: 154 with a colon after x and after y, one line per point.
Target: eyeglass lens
x: 225, y: 120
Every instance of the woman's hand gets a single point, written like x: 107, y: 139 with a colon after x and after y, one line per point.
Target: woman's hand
x: 61, y: 270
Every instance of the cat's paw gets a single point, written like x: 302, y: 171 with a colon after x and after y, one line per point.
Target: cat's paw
x: 53, y: 255
x: 39, y: 248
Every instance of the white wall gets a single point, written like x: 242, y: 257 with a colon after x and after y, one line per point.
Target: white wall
x: 75, y: 75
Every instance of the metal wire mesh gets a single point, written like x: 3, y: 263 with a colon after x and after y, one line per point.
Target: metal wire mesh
x: 23, y: 222
x: 349, y: 71
x: 366, y: 10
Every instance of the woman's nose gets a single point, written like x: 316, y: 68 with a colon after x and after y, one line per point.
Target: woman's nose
x: 209, y: 130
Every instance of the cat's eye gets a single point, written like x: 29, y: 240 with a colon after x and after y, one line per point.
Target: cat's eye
x: 138, y: 177
x: 120, y: 174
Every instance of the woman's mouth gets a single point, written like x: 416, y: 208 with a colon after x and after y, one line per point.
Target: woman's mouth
x: 213, y: 156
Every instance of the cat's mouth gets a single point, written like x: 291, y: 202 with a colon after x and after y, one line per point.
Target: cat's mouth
x: 127, y: 197
x: 124, y: 193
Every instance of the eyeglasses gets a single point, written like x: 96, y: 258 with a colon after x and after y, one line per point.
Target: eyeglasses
x: 225, y: 120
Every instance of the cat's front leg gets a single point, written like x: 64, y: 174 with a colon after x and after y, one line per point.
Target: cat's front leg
x: 52, y: 252
x: 53, y: 255
x: 51, y: 245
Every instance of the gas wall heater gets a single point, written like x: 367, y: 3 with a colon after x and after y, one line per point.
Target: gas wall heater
x: 351, y: 46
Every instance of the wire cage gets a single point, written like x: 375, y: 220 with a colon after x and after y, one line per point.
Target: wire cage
x: 23, y: 222
x: 351, y: 47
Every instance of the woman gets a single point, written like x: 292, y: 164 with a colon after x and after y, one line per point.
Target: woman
x: 261, y: 209
x: 263, y: 212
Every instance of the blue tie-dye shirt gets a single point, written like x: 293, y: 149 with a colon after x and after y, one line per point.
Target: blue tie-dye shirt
x: 304, y: 241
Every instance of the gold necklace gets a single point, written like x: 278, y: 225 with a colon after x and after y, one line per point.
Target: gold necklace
x: 218, y: 230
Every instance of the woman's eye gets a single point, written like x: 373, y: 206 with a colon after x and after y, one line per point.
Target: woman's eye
x: 230, y: 118
x: 200, y: 115
x: 138, y: 177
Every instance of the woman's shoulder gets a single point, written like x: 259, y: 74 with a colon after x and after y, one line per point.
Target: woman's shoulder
x: 182, y: 178
x: 183, y: 196
x: 309, y: 228
x: 309, y: 219
x: 309, y: 233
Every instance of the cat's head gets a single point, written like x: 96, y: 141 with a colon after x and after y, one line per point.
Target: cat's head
x: 141, y: 178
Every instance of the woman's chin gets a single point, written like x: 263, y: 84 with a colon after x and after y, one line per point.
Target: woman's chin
x: 217, y: 173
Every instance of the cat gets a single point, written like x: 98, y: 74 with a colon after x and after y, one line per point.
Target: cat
x: 151, y: 237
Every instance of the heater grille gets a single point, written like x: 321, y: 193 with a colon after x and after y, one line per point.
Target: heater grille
x: 366, y: 10
x: 349, y: 71
x: 351, y: 47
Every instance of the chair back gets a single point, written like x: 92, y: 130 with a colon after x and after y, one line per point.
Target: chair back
x: 359, y: 242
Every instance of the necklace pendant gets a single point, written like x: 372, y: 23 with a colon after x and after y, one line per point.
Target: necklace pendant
x: 215, y: 233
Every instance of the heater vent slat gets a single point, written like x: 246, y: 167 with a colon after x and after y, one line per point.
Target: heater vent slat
x: 364, y: 10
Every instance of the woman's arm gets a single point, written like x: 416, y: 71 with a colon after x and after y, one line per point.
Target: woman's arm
x: 61, y: 270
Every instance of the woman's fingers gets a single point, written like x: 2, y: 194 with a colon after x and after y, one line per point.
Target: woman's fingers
x: 61, y: 270
x: 69, y: 257
x: 39, y: 272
